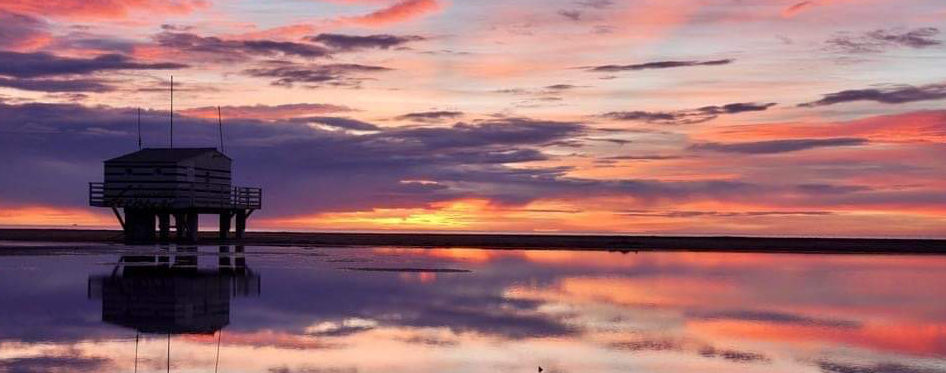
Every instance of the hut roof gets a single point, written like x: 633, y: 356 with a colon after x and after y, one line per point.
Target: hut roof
x: 164, y: 155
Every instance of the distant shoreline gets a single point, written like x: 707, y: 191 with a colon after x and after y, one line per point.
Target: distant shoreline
x: 523, y: 241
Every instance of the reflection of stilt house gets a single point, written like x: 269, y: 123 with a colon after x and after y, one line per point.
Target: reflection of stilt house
x: 160, y: 183
x: 170, y: 295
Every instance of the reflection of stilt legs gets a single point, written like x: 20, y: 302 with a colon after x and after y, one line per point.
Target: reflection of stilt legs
x: 165, y: 259
x: 240, y: 260
x: 224, y: 261
x: 186, y: 257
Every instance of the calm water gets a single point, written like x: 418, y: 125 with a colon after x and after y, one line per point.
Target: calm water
x: 320, y: 310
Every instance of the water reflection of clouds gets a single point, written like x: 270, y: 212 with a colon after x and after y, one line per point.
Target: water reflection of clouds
x: 575, y: 311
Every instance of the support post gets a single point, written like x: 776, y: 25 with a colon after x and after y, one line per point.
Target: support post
x: 164, y: 226
x: 240, y: 223
x: 119, y: 216
x: 192, y: 226
x: 139, y: 225
x: 180, y: 225
x: 224, y: 262
x: 131, y: 218
x: 240, y: 260
x: 225, y: 218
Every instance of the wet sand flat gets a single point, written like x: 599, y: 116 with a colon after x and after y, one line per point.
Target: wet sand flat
x: 521, y: 241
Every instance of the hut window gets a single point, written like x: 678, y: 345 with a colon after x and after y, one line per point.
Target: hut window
x: 157, y: 171
x: 128, y: 171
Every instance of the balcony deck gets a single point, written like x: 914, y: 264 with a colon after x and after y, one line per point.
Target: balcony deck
x: 180, y: 196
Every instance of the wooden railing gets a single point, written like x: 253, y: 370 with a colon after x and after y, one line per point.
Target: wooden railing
x: 180, y: 195
x: 246, y: 197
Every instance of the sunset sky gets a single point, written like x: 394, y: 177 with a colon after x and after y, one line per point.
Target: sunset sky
x: 766, y: 117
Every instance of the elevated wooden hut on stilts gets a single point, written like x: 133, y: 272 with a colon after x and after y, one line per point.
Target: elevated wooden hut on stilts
x: 180, y: 183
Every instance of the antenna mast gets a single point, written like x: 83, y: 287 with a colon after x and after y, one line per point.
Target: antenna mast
x: 171, y: 139
x: 220, y: 126
x: 139, y: 128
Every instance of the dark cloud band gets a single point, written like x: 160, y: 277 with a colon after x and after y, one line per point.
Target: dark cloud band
x: 691, y: 116
x: 894, y: 95
x: 776, y: 146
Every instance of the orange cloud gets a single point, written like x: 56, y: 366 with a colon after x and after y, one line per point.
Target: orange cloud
x: 402, y: 11
x: 920, y: 126
x: 100, y: 9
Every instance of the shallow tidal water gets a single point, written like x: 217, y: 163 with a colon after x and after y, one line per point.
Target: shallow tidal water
x: 295, y: 309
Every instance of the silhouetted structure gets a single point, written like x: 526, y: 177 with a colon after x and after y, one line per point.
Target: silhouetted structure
x: 160, y: 183
x: 169, y: 294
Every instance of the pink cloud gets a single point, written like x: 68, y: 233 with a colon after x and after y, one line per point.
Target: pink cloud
x: 399, y: 12
x: 100, y: 9
x: 791, y: 11
x: 282, y: 32
x: 266, y: 112
x: 803, y: 6
x: 22, y: 32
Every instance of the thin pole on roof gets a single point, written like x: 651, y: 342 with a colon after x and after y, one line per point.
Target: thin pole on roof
x: 220, y: 126
x: 139, y: 128
x: 171, y: 139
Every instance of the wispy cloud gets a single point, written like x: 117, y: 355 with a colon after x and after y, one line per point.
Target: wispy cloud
x: 796, y: 8
x: 776, y: 146
x: 691, y: 116
x: 880, y: 40
x: 431, y: 116
x: 399, y: 12
x: 353, y: 42
x: 227, y: 49
x: 339, y: 75
x: 658, y: 65
x: 58, y: 85
x: 265, y: 112
x: 40, y: 64
x: 892, y: 95
x: 341, y: 123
